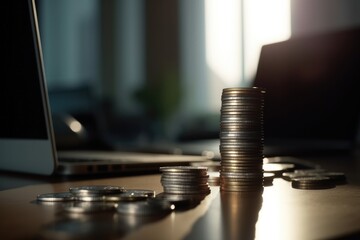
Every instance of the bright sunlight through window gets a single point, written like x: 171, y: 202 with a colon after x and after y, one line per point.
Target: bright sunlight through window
x: 235, y: 32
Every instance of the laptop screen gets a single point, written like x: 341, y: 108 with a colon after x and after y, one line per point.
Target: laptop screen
x: 22, y: 111
x: 25, y: 130
x: 312, y: 87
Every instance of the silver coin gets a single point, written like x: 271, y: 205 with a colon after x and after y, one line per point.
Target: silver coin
x: 238, y: 155
x: 240, y: 144
x: 177, y: 182
x: 214, y: 181
x: 241, y: 160
x: 241, y: 168
x: 140, y: 192
x: 241, y: 95
x: 240, y: 151
x: 183, y: 169
x: 234, y: 175
x: 241, y: 147
x: 244, y: 137
x: 246, y: 112
x: 241, y: 119
x: 232, y: 145
x: 191, y: 192
x: 242, y: 163
x: 251, y: 113
x: 185, y: 175
x: 246, y: 96
x: 258, y: 188
x: 236, y: 134
x: 255, y: 148
x: 292, y: 175
x: 56, y: 197
x: 241, y: 109
x: 242, y: 126
x: 232, y: 138
x: 128, y: 195
x: 312, y: 183
x: 242, y: 91
x: 96, y: 190
x: 337, y: 177
x: 240, y: 181
x: 252, y: 99
x: 241, y: 155
x: 183, y: 186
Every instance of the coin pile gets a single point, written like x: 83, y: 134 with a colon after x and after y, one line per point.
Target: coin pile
x: 314, y: 182
x: 335, y: 177
x: 94, y: 198
x: 241, y: 139
x: 185, y: 180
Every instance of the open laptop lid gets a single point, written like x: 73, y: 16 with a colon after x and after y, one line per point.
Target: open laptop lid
x: 26, y: 142
x: 312, y: 100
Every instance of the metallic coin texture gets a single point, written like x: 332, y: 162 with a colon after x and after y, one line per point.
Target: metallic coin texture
x: 312, y: 182
x: 242, y: 140
x: 187, y: 180
x: 56, y: 197
x: 95, y: 190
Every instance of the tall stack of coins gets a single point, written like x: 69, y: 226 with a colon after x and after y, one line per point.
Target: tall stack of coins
x: 241, y: 139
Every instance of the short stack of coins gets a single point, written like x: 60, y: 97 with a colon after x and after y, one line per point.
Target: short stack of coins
x: 241, y: 139
x: 189, y: 180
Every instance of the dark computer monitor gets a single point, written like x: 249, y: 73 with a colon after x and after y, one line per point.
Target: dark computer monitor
x: 311, y: 88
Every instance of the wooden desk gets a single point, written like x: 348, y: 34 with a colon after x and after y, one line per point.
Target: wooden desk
x: 280, y: 212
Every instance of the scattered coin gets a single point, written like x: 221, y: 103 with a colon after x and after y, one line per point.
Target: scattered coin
x: 317, y: 182
x: 336, y: 177
x: 128, y: 196
x: 96, y: 190
x: 56, y: 197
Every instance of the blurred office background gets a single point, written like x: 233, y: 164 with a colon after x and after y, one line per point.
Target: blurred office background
x: 143, y: 71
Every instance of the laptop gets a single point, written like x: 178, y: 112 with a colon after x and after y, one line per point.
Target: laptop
x: 312, y: 99
x: 26, y: 133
